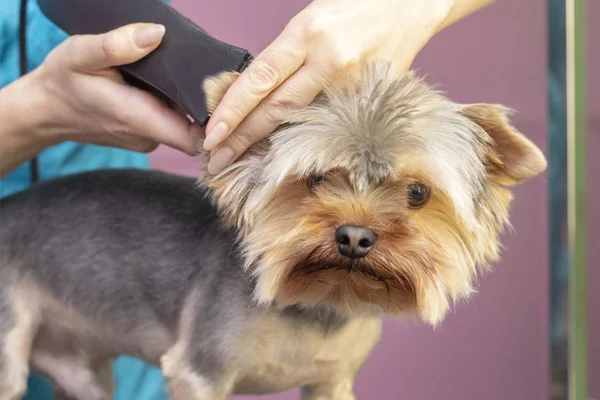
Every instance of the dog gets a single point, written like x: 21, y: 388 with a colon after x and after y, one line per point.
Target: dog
x: 382, y: 197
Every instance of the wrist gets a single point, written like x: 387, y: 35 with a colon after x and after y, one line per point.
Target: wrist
x: 25, y: 111
x: 420, y: 20
x: 438, y: 13
x: 39, y: 120
x: 23, y: 114
x: 460, y: 9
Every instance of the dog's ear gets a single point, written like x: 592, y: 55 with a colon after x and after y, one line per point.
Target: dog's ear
x: 513, y: 158
x: 237, y: 185
x: 235, y: 191
x: 215, y: 87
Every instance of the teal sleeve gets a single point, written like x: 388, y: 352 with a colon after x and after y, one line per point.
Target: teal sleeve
x: 135, y: 380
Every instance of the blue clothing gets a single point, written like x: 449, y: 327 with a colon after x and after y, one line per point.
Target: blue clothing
x: 134, y: 380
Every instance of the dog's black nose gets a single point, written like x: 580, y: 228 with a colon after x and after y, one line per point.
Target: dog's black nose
x: 354, y: 241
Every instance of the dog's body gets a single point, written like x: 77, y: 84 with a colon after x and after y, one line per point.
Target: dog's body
x: 133, y: 263
x: 382, y: 197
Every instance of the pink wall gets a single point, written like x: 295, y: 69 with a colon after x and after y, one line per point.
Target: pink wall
x: 495, y: 346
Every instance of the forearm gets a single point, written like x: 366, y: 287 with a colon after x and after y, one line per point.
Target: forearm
x: 22, y: 126
x: 463, y: 8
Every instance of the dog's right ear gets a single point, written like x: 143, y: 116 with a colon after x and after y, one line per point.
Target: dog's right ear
x: 233, y: 188
x: 215, y: 87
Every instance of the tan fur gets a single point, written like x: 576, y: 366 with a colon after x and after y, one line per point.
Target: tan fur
x: 72, y: 374
x: 186, y: 384
x: 18, y: 342
x: 105, y: 373
x: 516, y: 156
x: 290, y: 356
x: 371, y: 137
x: 215, y: 88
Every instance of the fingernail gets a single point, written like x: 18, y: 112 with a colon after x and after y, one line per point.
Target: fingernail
x: 222, y: 158
x: 215, y: 136
x: 148, y: 35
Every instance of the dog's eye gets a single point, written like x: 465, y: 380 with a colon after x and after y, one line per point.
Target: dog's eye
x: 418, y: 195
x: 314, y: 181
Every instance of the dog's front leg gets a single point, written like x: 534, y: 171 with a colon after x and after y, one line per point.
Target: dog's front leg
x: 189, y: 381
x: 329, y: 390
x: 195, y: 366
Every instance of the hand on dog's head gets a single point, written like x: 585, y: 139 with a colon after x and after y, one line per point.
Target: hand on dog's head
x: 382, y: 196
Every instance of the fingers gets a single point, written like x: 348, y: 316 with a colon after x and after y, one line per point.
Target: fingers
x: 121, y: 46
x: 134, y: 143
x: 297, y: 91
x: 269, y: 69
x: 168, y: 127
x: 148, y: 117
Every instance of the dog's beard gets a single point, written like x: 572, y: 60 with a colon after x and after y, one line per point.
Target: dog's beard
x: 389, y: 280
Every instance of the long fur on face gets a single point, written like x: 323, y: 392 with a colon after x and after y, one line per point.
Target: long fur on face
x: 349, y: 158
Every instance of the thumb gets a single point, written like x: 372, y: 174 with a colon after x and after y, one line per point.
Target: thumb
x: 120, y: 46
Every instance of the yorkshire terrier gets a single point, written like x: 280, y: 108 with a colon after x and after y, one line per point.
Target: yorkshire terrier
x: 382, y: 197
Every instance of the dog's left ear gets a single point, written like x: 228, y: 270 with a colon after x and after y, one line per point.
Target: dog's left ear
x: 514, y: 158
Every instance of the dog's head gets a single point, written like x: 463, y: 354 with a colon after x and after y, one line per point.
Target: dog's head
x: 382, y: 196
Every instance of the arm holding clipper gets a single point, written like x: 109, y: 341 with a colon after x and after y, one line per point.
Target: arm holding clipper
x: 78, y: 95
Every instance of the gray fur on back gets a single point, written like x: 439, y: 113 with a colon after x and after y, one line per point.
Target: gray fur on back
x: 122, y: 239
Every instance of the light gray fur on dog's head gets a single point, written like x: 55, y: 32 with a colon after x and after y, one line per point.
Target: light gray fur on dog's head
x: 380, y: 129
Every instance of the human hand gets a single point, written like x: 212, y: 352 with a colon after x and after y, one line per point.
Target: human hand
x: 326, y: 39
x: 87, y: 100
